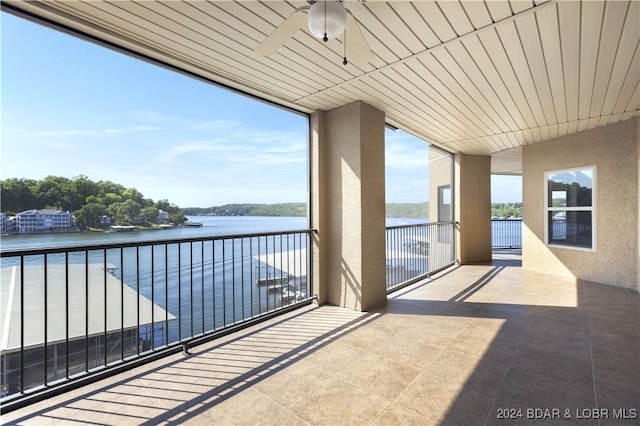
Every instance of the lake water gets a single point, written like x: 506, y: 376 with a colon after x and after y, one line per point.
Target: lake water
x: 211, y: 226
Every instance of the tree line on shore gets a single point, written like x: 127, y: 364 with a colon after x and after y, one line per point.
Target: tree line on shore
x: 403, y: 210
x: 89, y: 201
x: 506, y: 210
x: 408, y: 210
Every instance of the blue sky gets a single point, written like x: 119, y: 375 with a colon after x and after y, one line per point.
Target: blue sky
x: 72, y: 108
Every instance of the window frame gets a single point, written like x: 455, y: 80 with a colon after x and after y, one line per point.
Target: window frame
x: 592, y: 209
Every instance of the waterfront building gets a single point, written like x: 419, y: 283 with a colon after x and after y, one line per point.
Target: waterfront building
x: 163, y: 217
x: 105, y: 220
x: 40, y: 220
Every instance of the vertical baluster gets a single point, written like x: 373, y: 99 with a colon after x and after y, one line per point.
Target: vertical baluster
x: 394, y: 260
x: 258, y: 280
x: 46, y: 317
x: 104, y: 273
x: 121, y: 303
x: 392, y: 250
x: 137, y: 337
x: 152, y: 346
x: 22, y: 324
x: 282, y: 271
x: 166, y: 295
x: 389, y: 257
x: 273, y: 244
x: 242, y: 276
x: 86, y: 309
x: 296, y: 271
x: 202, y: 284
x: 66, y: 314
x: 213, y: 281
x: 190, y: 288
x: 179, y: 292
x: 251, y: 274
x: 224, y: 285
x: 233, y: 280
x: 424, y: 247
x: 405, y: 254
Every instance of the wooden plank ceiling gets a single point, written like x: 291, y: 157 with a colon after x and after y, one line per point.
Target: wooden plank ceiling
x: 479, y: 77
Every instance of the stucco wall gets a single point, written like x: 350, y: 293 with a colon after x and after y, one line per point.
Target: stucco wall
x: 349, y: 206
x: 473, y: 207
x: 613, y: 150
x: 440, y: 174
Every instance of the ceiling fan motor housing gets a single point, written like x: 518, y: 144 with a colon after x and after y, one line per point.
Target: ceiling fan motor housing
x: 327, y: 18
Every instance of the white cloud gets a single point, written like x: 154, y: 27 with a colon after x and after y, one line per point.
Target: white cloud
x: 217, y: 125
x: 95, y: 132
x: 403, y: 151
x: 69, y: 132
x: 152, y: 116
x: 130, y: 129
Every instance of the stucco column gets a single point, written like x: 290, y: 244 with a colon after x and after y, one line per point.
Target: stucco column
x: 348, y: 206
x: 638, y: 209
x: 473, y: 207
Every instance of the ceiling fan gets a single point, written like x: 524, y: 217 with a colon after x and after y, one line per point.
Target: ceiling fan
x: 325, y: 19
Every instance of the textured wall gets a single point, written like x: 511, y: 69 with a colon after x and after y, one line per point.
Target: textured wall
x: 613, y: 150
x: 473, y: 207
x: 440, y: 174
x: 349, y: 205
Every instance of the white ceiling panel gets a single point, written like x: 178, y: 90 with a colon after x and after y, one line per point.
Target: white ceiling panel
x: 480, y: 77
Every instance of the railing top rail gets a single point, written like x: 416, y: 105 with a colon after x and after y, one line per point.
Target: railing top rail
x: 413, y: 225
x: 126, y: 244
x: 506, y: 219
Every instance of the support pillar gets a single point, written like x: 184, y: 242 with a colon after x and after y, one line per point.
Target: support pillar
x: 348, y: 206
x: 473, y: 208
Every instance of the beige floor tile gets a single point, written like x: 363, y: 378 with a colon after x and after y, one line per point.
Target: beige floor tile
x: 284, y: 417
x: 525, y: 390
x: 293, y: 383
x: 379, y: 375
x: 429, y: 396
x: 569, y: 370
x: 336, y: 402
x: 409, y: 351
x: 248, y: 407
x: 397, y: 414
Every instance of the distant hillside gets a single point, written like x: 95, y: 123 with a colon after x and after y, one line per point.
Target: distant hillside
x: 402, y: 210
x: 282, y: 209
x: 417, y: 210
x: 409, y: 210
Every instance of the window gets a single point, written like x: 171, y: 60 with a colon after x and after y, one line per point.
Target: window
x: 570, y: 208
x: 444, y: 203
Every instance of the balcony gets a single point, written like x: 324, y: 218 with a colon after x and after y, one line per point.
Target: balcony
x: 473, y: 344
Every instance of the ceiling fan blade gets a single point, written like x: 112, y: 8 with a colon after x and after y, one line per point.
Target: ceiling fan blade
x: 283, y: 32
x: 358, y: 50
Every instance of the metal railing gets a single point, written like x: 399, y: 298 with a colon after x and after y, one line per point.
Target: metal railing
x: 506, y: 233
x: 416, y: 251
x: 75, y: 313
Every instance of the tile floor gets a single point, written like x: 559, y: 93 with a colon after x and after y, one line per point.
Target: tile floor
x: 475, y: 345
